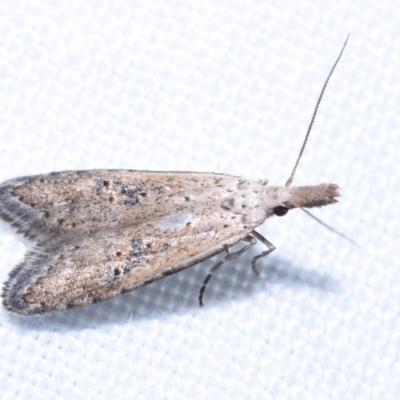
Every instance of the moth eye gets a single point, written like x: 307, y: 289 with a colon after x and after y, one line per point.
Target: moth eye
x: 280, y: 211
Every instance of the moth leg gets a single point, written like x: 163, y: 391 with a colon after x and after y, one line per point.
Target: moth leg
x: 229, y: 256
x: 267, y: 243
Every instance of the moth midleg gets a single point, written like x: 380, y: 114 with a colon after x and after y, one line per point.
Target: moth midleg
x: 229, y: 256
x: 267, y: 243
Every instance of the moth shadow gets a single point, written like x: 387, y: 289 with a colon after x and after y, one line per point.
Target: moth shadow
x: 178, y: 294
x: 242, y: 282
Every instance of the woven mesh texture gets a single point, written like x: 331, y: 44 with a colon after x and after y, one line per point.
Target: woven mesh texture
x: 218, y: 86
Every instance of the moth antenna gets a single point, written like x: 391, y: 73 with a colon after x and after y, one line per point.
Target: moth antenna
x: 329, y: 227
x: 289, y: 181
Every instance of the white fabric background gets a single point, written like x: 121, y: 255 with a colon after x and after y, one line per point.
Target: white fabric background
x: 221, y: 87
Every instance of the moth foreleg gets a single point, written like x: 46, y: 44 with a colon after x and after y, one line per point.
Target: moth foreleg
x: 267, y: 243
x: 229, y: 256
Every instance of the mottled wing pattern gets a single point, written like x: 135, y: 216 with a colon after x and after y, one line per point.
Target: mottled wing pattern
x: 71, y: 273
x: 77, y: 202
x: 103, y: 233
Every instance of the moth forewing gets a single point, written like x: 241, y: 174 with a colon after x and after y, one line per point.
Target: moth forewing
x: 201, y: 215
x: 81, y: 202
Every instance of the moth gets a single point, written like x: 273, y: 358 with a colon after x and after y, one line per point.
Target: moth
x: 102, y: 233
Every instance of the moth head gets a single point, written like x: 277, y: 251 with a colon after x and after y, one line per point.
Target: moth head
x: 282, y: 199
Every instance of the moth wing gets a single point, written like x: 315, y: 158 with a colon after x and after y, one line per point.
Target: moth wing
x: 67, y: 273
x: 81, y: 202
x: 102, y: 233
